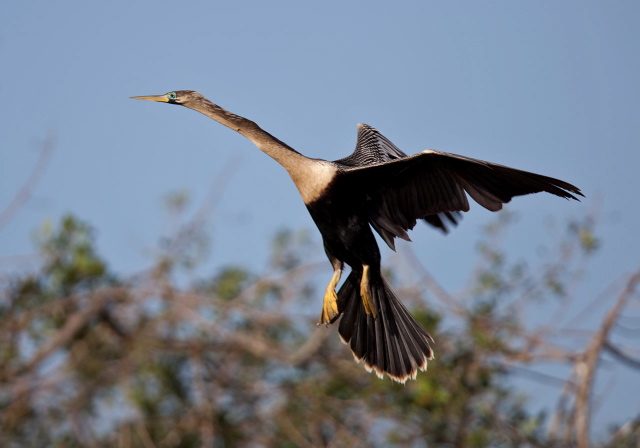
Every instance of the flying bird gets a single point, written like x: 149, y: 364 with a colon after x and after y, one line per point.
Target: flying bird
x: 380, y: 188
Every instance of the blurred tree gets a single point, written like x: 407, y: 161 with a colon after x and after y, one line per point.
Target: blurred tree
x: 91, y: 359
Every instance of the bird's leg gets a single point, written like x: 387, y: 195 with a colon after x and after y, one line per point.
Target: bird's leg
x: 365, y: 292
x: 330, y: 303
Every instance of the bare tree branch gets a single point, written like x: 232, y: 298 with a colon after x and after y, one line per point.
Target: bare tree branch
x: 586, y: 369
x: 66, y: 333
x: 24, y: 193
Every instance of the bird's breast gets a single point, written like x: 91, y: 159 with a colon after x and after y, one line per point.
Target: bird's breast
x: 312, y: 178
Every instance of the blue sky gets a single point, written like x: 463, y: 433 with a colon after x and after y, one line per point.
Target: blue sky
x: 550, y: 87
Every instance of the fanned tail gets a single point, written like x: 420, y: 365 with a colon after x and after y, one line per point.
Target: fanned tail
x: 393, y: 342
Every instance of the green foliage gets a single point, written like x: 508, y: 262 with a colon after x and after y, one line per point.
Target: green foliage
x: 228, y: 283
x: 70, y: 261
x: 89, y: 359
x: 584, y: 230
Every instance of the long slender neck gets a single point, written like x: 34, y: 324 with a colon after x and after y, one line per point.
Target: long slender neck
x: 282, y: 153
x: 311, y: 176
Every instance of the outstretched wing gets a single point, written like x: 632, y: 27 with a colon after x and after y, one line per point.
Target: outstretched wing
x: 431, y: 182
x: 373, y: 148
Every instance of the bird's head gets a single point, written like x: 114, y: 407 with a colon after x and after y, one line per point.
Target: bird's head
x: 196, y: 101
x: 186, y: 98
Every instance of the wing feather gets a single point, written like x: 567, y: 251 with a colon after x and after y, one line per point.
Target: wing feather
x: 433, y: 186
x: 373, y: 148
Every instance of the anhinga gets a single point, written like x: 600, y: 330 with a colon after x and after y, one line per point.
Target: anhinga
x: 379, y: 187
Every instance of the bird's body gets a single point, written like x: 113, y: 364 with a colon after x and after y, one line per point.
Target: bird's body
x: 380, y: 188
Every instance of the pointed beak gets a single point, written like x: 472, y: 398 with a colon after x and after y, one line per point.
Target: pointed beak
x: 161, y: 98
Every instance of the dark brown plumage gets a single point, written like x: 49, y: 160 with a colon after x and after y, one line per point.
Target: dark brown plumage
x: 380, y: 187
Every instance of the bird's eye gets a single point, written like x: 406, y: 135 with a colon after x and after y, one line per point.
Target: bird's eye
x: 172, y: 95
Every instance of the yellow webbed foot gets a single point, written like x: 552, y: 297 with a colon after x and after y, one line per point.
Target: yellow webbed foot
x: 330, y: 302
x: 365, y: 293
x: 329, y: 307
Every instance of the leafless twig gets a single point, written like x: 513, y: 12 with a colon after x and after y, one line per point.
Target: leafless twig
x: 23, y: 194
